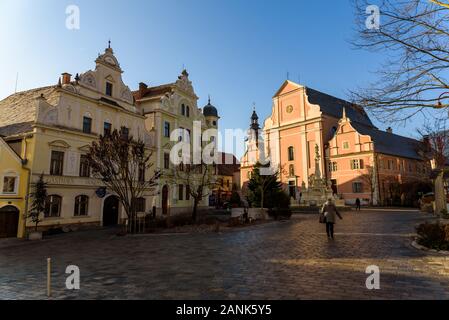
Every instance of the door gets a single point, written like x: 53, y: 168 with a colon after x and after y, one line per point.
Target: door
x: 334, y: 186
x: 9, y: 222
x: 110, y: 211
x: 165, y: 200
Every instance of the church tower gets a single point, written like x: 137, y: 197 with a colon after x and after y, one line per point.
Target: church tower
x: 253, y: 132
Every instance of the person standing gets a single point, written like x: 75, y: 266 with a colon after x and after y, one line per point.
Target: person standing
x: 358, y: 204
x: 329, y: 214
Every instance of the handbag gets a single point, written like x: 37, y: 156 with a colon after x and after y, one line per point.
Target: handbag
x: 322, y: 218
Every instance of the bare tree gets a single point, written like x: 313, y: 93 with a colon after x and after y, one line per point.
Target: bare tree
x: 414, y: 35
x: 368, y: 177
x: 121, y: 163
x: 200, y: 180
x: 435, y: 149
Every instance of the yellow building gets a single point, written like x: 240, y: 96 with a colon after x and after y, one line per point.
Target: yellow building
x: 56, y: 125
x: 14, y: 177
x: 169, y: 107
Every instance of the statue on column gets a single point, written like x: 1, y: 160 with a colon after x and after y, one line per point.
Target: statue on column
x: 319, y: 189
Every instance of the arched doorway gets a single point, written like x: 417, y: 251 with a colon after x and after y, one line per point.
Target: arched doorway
x: 110, y: 211
x: 165, y: 200
x: 9, y: 222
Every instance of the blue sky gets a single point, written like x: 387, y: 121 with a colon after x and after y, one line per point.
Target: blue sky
x: 237, y: 51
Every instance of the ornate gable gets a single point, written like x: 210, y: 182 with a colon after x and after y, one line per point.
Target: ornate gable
x: 107, y: 70
x: 184, y: 84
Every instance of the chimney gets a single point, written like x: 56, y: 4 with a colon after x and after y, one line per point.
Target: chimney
x: 142, y: 89
x: 390, y: 130
x: 66, y: 78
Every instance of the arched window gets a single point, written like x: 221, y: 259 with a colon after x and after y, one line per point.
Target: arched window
x: 183, y: 109
x: 188, y: 111
x: 53, y: 206
x: 81, y: 205
x: 291, y: 154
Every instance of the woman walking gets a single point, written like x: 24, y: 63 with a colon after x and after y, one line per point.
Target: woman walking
x: 328, y: 216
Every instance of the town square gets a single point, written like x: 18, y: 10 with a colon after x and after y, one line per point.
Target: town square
x: 290, y: 155
x: 285, y: 260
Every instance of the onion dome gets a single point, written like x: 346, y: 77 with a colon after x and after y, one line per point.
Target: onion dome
x: 210, y: 111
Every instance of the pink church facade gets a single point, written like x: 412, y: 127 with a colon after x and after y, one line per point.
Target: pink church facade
x: 359, y: 160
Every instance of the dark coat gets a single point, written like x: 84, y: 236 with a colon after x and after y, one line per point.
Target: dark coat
x: 330, y: 212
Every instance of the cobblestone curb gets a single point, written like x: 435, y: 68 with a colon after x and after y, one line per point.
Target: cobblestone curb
x: 417, y: 246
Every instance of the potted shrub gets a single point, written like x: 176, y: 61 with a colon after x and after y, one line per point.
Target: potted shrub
x: 39, y: 196
x: 433, y: 236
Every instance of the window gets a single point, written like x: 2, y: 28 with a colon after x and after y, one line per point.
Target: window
x: 9, y: 185
x: 107, y: 128
x: 109, y: 89
x: 345, y: 145
x: 124, y: 132
x: 181, y: 192
x: 291, y: 170
x: 56, y: 163
x: 188, y: 193
x: 390, y: 164
x: 181, y: 134
x: 52, y: 206
x: 333, y: 166
x: 84, y: 167
x: 139, y: 204
x: 357, y: 187
x: 166, y: 161
x: 181, y: 167
x: 291, y: 154
x: 81, y: 206
x: 356, y: 164
x: 188, y: 112
x: 188, y: 135
x: 183, y: 110
x: 167, y: 129
x: 87, y: 125
x: 214, y: 123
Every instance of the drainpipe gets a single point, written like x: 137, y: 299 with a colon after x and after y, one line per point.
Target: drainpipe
x: 377, y: 175
x: 24, y: 163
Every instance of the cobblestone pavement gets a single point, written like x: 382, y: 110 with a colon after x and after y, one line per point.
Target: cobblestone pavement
x: 280, y: 260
